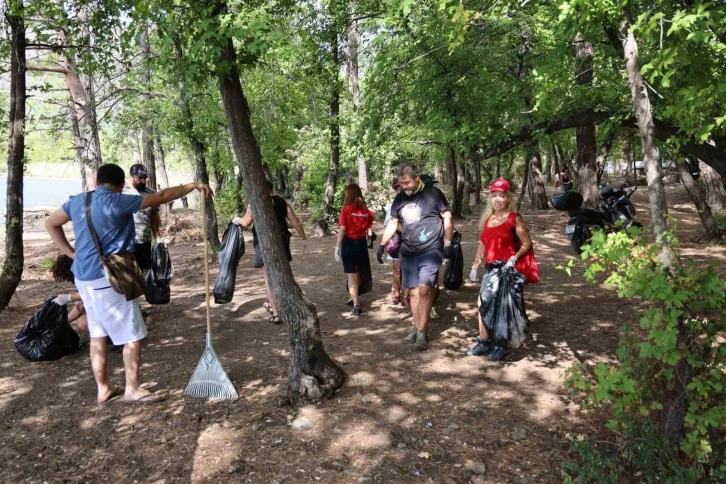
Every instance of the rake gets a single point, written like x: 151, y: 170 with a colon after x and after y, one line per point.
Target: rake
x: 209, y: 379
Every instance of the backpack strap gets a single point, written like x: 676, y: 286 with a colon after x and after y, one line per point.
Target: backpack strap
x: 91, y: 229
x: 512, y: 221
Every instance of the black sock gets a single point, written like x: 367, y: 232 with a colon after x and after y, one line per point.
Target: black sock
x: 483, y: 341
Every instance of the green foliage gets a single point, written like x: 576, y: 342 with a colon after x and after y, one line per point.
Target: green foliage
x: 682, y: 318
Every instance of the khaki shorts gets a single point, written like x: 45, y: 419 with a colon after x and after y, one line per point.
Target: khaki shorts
x: 110, y: 314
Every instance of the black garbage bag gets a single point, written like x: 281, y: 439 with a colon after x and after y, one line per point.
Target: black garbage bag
x: 366, y: 278
x: 454, y: 274
x: 157, y: 291
x: 502, y: 305
x: 158, y: 281
x: 47, y: 336
x: 233, y: 248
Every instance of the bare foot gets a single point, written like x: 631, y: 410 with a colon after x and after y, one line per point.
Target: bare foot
x: 109, y: 394
x: 142, y: 396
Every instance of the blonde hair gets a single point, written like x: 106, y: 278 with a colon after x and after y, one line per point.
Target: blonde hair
x: 489, y: 209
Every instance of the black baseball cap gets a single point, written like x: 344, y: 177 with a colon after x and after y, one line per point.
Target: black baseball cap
x: 138, y: 170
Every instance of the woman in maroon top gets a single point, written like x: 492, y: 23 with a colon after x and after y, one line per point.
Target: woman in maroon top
x: 356, y: 222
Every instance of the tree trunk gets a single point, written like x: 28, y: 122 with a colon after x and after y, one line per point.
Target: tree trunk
x: 200, y: 162
x: 12, y: 269
x: 536, y: 180
x: 438, y: 172
x: 136, y: 147
x: 161, y: 158
x: 651, y: 158
x: 477, y: 179
x: 147, y: 129
x: 312, y: 373
x: 239, y: 201
x: 461, y: 194
x: 675, y: 404
x: 703, y: 208
x: 334, y: 142
x: 353, y: 70
x: 548, y: 167
x: 586, y: 135
x: 498, y: 163
x: 88, y: 180
x: 451, y: 177
x: 523, y: 190
x: 603, y: 156
x: 628, y: 152
x: 714, y: 186
x: 84, y: 108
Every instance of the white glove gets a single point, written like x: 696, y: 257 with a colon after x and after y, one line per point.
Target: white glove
x: 62, y: 300
x: 510, y: 263
x: 236, y: 220
x: 337, y: 253
x: 305, y: 245
x: 473, y: 275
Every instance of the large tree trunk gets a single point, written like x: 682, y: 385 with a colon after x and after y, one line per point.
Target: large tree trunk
x: 548, y: 167
x: 353, y: 40
x: 438, y: 172
x: 12, y: 269
x: 451, y: 178
x: 312, y: 373
x: 538, y: 194
x: 88, y: 180
x: 523, y: 189
x: 586, y: 135
x: 200, y: 161
x: 161, y: 158
x: 628, y: 151
x: 703, y: 208
x: 460, y: 187
x: 713, y: 183
x: 477, y: 177
x: 334, y: 142
x: 675, y: 404
x: 147, y: 129
x: 651, y: 158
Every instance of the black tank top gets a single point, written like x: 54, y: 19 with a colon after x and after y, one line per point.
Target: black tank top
x: 280, y: 207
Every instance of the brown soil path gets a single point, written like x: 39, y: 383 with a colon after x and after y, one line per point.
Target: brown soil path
x: 401, y: 417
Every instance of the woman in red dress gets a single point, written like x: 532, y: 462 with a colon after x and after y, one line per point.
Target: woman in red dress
x: 499, y: 224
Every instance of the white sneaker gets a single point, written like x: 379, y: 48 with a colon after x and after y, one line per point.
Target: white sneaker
x: 433, y: 314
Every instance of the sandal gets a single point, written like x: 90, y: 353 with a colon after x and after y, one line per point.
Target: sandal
x: 268, y: 307
x: 395, y: 300
x: 275, y: 319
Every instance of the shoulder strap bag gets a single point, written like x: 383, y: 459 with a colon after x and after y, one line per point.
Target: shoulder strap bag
x: 121, y: 270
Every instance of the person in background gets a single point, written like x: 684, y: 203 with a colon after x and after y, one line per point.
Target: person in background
x: 108, y: 312
x: 61, y: 272
x: 566, y: 180
x: 355, y: 224
x: 396, y: 286
x: 427, y: 231
x: 496, y: 243
x: 283, y: 213
x: 146, y: 221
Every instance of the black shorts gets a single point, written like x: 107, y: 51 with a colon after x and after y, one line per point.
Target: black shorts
x: 143, y: 255
x: 353, y: 252
x: 421, y: 269
x: 258, y: 255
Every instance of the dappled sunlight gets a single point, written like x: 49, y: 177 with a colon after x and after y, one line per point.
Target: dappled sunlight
x: 218, y: 448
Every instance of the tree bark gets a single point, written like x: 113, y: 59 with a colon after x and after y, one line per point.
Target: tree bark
x: 713, y: 182
x: 334, y: 140
x: 548, y: 167
x: 136, y: 147
x: 451, y: 178
x: 651, y: 158
x: 239, y: 201
x: 12, y: 269
x: 477, y: 180
x: 161, y: 158
x: 538, y: 194
x: 586, y: 135
x: 312, y: 373
x: 200, y: 161
x: 88, y: 180
x: 460, y: 185
x: 147, y: 129
x: 603, y: 156
x: 628, y: 151
x: 703, y: 208
x: 353, y: 70
x: 438, y: 172
x: 523, y: 190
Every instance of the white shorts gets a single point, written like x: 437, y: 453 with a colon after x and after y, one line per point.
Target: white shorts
x: 110, y: 314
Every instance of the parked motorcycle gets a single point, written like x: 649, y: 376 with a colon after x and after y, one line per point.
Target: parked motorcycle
x: 616, y: 213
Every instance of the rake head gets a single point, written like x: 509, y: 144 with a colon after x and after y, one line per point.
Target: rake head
x: 209, y: 379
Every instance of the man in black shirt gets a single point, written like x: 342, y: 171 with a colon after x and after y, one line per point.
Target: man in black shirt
x: 427, y: 230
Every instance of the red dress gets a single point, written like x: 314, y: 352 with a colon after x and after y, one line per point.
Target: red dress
x: 501, y: 243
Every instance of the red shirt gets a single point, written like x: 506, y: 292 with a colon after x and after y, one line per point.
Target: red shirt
x: 499, y: 241
x: 356, y: 221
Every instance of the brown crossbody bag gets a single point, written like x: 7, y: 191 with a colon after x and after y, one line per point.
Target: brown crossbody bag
x: 121, y: 270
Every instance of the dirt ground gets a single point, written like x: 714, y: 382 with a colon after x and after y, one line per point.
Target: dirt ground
x: 402, y: 416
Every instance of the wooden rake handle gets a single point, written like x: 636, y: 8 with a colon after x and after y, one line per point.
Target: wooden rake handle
x: 206, y: 260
